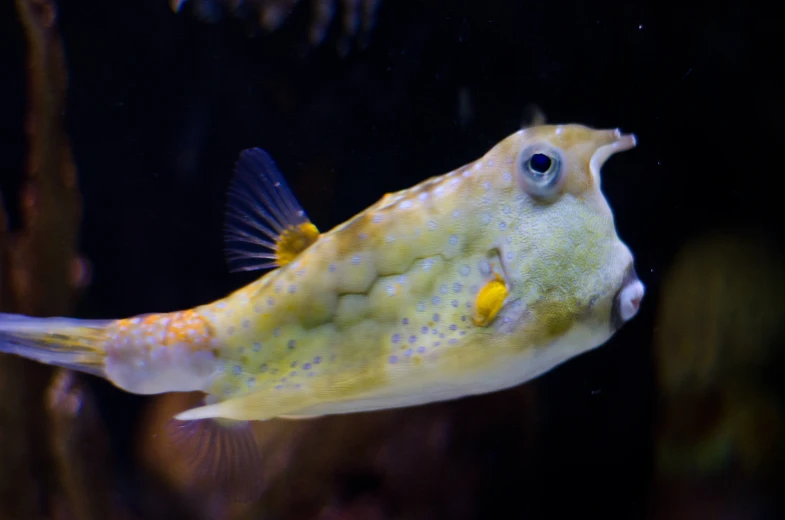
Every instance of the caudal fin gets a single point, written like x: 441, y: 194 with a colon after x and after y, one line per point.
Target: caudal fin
x: 65, y: 342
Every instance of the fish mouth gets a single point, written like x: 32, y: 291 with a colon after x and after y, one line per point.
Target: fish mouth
x: 619, y: 143
x: 627, y: 299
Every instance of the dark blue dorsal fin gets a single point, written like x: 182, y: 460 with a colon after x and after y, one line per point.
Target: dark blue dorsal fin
x: 260, y: 207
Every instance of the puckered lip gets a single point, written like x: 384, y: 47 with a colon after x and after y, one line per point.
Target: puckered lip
x: 621, y: 143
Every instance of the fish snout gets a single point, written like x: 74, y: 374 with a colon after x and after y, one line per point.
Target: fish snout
x: 627, y: 300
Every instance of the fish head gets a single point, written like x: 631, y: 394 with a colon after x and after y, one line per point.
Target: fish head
x: 572, y: 280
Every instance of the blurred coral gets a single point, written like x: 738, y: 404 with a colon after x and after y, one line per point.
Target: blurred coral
x: 719, y: 343
x: 52, y: 453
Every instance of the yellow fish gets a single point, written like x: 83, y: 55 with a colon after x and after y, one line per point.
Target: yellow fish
x: 467, y: 283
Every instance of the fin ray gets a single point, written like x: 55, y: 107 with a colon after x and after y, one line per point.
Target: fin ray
x: 261, y: 210
x: 222, y: 455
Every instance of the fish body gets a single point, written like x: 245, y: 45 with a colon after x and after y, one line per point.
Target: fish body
x: 378, y: 312
x: 467, y: 283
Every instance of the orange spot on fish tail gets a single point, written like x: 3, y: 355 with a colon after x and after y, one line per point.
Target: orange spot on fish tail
x: 221, y: 455
x: 154, y: 353
x: 175, y: 328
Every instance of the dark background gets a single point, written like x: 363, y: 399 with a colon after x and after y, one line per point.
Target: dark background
x: 160, y: 105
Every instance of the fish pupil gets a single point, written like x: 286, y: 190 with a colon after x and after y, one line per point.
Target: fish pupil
x: 540, y: 163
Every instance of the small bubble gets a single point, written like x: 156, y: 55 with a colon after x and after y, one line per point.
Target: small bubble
x: 412, y: 339
x: 393, y: 359
x: 408, y: 352
x: 263, y: 368
x: 453, y: 341
x: 277, y: 331
x: 436, y: 318
x: 317, y: 360
x: 396, y: 338
x: 257, y: 347
x: 294, y: 364
x: 246, y: 324
x: 453, y: 240
x: 306, y: 366
x: 454, y: 303
x: 292, y: 289
x: 453, y: 327
x: 236, y: 370
x: 290, y: 344
x: 424, y: 329
x: 420, y: 349
x: 405, y: 321
x: 270, y: 302
x: 420, y: 307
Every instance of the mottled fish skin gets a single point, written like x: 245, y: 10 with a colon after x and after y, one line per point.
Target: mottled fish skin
x: 377, y: 313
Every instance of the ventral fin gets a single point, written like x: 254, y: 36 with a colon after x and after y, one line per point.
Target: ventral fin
x: 265, y: 225
x: 221, y: 455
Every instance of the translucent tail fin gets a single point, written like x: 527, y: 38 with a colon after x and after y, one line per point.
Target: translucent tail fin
x: 69, y: 343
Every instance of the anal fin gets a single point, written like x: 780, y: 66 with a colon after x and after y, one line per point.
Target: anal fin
x: 221, y: 455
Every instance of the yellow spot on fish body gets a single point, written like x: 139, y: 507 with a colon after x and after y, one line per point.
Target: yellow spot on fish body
x: 294, y: 240
x: 489, y: 301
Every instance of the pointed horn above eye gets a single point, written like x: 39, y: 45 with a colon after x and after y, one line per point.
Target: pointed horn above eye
x: 621, y: 142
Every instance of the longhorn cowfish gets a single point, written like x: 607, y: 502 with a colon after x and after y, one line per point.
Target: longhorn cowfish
x: 470, y: 282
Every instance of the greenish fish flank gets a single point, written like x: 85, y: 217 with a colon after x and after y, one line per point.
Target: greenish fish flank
x: 470, y: 282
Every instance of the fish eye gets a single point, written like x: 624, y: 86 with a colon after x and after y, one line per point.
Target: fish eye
x: 540, y: 169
